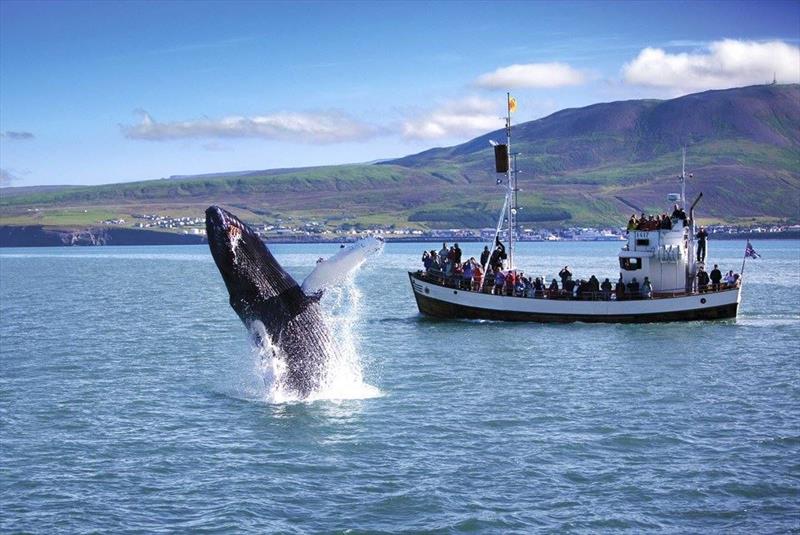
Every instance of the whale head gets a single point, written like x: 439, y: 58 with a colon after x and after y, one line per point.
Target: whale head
x: 249, y: 270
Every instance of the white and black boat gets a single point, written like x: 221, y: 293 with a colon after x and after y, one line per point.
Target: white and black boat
x: 665, y: 257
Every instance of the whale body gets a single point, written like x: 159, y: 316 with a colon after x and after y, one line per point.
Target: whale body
x: 272, y: 305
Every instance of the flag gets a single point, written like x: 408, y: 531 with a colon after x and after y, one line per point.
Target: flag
x: 750, y: 252
x: 512, y: 104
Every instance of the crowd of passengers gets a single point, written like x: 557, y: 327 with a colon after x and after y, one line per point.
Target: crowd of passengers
x: 678, y: 219
x: 446, y: 266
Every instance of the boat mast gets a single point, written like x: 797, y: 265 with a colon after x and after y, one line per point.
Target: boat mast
x: 511, y: 181
x: 683, y: 178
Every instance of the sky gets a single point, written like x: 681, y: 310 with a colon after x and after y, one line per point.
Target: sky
x: 102, y: 92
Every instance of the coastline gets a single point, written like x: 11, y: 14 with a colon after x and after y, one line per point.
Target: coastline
x: 41, y: 236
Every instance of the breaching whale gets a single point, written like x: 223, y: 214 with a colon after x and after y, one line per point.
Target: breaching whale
x: 273, y: 307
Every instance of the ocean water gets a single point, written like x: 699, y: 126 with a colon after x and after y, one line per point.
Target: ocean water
x: 131, y: 401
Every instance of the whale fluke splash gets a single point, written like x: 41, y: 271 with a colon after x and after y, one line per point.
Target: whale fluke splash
x: 277, y: 312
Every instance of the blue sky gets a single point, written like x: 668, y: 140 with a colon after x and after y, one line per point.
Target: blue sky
x: 105, y: 92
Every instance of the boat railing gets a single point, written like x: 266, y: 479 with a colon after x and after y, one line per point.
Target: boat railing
x: 487, y: 286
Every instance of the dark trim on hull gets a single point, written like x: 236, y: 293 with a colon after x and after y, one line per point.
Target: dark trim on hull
x: 442, y: 309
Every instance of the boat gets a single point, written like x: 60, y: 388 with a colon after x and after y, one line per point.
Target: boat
x: 664, y: 257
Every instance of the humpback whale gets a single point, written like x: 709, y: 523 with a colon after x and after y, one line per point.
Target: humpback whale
x: 273, y: 307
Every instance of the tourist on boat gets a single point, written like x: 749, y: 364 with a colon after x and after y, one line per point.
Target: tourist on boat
x: 538, y: 289
x: 569, y: 286
x: 466, y: 276
x: 633, y: 289
x: 678, y: 215
x: 457, y: 253
x: 716, y: 278
x: 605, y: 289
x: 488, y: 281
x: 443, y: 253
x: 702, y: 280
x: 498, y: 255
x: 458, y: 275
x: 522, y: 289
x: 499, y: 282
x: 666, y: 222
x: 426, y: 260
x: 477, y: 277
x: 701, y: 236
x: 647, y: 289
x: 619, y: 290
x: 564, y: 274
x: 485, y: 255
x: 511, y: 282
x: 632, y: 222
x: 552, y: 290
x: 594, y: 287
x: 730, y: 279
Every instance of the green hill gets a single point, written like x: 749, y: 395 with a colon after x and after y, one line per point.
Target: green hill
x: 583, y: 166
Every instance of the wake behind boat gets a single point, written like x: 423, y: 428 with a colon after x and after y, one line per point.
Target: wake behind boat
x: 663, y: 274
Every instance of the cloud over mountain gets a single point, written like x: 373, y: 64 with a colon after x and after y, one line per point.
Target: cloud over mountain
x: 466, y: 116
x: 531, y: 75
x: 324, y: 127
x: 723, y: 64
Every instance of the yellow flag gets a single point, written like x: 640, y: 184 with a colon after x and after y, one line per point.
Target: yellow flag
x: 512, y: 105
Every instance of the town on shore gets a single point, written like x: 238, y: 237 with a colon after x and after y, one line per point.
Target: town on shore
x: 314, y: 231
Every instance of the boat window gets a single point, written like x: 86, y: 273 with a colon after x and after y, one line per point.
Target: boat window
x: 630, y: 264
x: 643, y: 243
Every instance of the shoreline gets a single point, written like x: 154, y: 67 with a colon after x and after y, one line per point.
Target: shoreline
x: 40, y: 236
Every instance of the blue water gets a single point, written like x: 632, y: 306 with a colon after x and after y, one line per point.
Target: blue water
x: 130, y: 401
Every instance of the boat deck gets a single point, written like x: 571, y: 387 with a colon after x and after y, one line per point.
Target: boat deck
x: 446, y: 299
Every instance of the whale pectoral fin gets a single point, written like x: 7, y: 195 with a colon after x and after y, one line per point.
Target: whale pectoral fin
x: 336, y: 269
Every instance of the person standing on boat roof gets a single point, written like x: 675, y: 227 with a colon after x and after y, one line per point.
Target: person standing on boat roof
x: 701, y: 236
x: 679, y: 214
x: 632, y: 223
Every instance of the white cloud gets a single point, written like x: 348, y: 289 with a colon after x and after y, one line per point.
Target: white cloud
x: 16, y: 135
x: 326, y: 127
x: 467, y: 116
x: 546, y: 75
x: 726, y: 63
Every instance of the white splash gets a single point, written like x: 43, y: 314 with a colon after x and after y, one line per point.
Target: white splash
x: 343, y: 376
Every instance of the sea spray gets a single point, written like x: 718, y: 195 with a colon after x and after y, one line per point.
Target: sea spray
x: 261, y: 375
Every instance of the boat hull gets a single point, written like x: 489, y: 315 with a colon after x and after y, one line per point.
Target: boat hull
x: 449, y: 303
